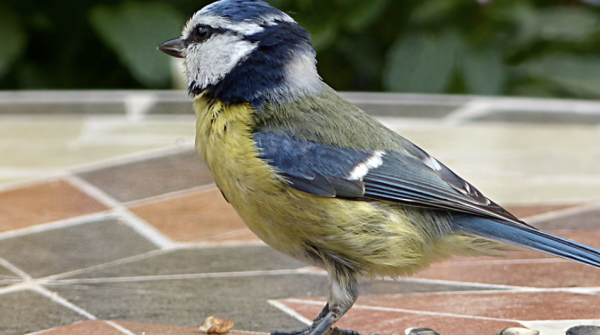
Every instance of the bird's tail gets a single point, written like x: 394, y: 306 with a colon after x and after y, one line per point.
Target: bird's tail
x: 528, y: 237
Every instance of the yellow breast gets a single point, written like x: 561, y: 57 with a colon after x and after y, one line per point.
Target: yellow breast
x: 224, y: 140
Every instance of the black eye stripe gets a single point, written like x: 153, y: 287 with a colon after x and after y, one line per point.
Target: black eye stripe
x: 201, y: 33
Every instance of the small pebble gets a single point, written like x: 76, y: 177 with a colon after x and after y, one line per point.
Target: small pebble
x: 518, y: 331
x: 420, y: 331
x: 584, y: 330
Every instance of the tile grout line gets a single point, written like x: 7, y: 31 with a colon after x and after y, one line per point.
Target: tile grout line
x: 62, y: 301
x: 171, y: 195
x: 132, y: 158
x: 108, y: 265
x: 70, y: 222
x: 135, y: 258
x: 239, y: 274
x: 93, y: 191
x: 458, y: 283
x: 494, y: 288
x: 33, y: 285
x: 562, y: 213
x: 504, y: 288
x: 66, y: 303
x: 402, y: 310
x: 132, y: 220
x: 289, y: 311
x: 110, y: 162
x: 32, y: 182
x: 499, y: 288
x: 119, y: 328
x: 24, y: 276
x: 10, y: 282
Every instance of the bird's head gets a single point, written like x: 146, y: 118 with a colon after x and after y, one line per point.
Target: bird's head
x: 246, y: 51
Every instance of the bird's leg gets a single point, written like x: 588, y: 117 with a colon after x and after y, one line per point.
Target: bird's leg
x: 343, y: 291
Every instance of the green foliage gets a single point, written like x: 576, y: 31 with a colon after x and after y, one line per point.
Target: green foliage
x: 577, y: 75
x: 12, y: 39
x: 422, y: 63
x: 133, y: 30
x: 483, y: 70
x: 502, y: 47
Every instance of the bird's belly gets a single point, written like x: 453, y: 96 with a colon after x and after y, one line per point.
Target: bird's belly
x: 366, y: 237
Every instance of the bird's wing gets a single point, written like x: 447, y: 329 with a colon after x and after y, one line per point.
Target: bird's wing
x: 411, y: 177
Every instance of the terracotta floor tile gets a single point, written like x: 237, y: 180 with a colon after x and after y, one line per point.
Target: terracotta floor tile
x: 152, y: 329
x: 244, y: 234
x: 543, y: 273
x: 389, y: 322
x: 99, y: 327
x: 522, y: 306
x: 152, y: 177
x: 47, y: 202
x: 194, y: 217
x: 91, y: 327
x: 457, y: 313
x: 587, y: 220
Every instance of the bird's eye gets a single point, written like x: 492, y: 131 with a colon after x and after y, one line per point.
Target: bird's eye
x: 201, y: 34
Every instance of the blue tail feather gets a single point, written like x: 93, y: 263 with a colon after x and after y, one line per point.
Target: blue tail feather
x: 525, y: 236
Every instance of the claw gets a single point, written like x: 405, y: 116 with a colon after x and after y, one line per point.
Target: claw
x: 337, y: 331
x: 304, y: 331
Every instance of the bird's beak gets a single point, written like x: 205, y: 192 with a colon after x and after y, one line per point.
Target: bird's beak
x: 176, y: 48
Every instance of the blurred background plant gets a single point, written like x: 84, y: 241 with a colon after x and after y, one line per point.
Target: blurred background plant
x: 495, y: 47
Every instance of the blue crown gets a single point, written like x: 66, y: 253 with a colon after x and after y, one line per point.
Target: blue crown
x: 243, y: 10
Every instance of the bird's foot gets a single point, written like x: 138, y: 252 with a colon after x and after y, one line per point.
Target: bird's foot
x: 337, y: 331
x: 307, y: 331
x: 303, y: 331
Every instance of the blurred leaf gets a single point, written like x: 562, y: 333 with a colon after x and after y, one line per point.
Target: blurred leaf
x: 532, y: 90
x: 568, y: 24
x: 421, y: 63
x: 578, y: 75
x: 12, y: 39
x: 364, y: 13
x: 433, y: 11
x: 322, y: 37
x: 483, y: 70
x: 133, y: 30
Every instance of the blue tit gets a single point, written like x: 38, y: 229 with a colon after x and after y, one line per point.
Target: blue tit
x: 317, y: 178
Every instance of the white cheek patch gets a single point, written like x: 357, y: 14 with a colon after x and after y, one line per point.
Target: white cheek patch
x: 209, y: 62
x: 363, y: 168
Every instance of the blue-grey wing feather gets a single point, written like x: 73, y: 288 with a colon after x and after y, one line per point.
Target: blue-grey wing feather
x: 411, y: 177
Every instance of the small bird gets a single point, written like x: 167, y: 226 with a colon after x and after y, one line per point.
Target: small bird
x: 317, y: 178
